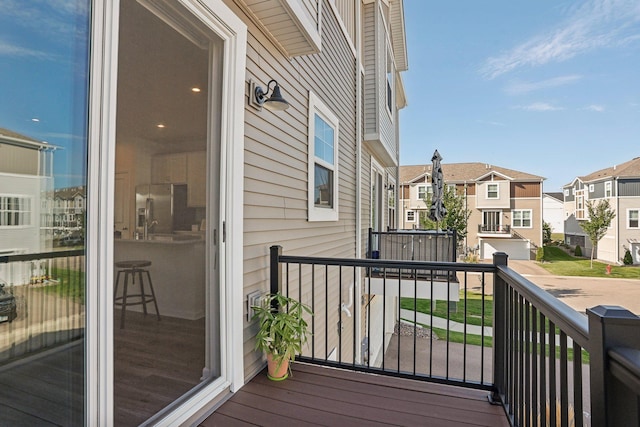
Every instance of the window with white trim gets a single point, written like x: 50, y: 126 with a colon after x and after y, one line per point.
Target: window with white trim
x: 607, y: 189
x: 411, y: 216
x: 424, y: 191
x: 15, y: 211
x: 389, y: 81
x: 521, y: 218
x: 492, y: 191
x: 592, y: 187
x: 323, y: 162
x: 566, y: 191
x: 632, y: 218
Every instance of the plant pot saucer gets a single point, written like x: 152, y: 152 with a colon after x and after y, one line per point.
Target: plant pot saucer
x: 278, y: 378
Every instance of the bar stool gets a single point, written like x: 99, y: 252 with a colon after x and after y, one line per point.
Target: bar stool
x: 131, y: 269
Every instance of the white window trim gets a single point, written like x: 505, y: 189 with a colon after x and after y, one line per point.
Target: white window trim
x: 629, y: 218
x: 31, y: 212
x: 316, y: 106
x: 513, y: 213
x: 497, y: 191
x: 406, y: 216
x: 424, y: 191
x: 566, y: 191
x: 608, y: 188
x: 592, y: 188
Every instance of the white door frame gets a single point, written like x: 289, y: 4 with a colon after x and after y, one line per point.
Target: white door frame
x: 101, y: 177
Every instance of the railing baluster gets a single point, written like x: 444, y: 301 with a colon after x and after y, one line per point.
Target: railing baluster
x: 483, y: 301
x: 552, y: 374
x: 527, y: 365
x: 326, y: 312
x: 564, y: 380
x: 464, y: 340
x: 520, y: 360
x: 543, y: 368
x: 577, y: 385
x: 534, y: 367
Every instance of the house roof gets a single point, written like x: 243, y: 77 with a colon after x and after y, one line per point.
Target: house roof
x: 556, y: 195
x: 461, y: 172
x: 14, y: 138
x: 625, y: 170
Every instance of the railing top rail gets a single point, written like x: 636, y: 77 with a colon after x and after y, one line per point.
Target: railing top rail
x: 41, y: 255
x: 574, y: 324
x: 417, y: 232
x: 382, y: 263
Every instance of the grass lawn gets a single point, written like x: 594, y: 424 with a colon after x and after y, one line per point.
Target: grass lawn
x: 70, y: 284
x: 560, y: 263
x: 474, y: 312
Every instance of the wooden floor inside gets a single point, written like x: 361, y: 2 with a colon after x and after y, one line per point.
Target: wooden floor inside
x: 317, y: 395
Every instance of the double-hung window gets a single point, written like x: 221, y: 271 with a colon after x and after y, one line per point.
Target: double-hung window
x: 607, y: 189
x: 423, y: 192
x: 632, y: 218
x: 411, y: 216
x: 323, y: 162
x: 15, y: 211
x: 521, y: 218
x: 492, y: 191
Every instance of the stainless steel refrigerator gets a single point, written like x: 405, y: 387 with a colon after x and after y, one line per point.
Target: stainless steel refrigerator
x: 154, y: 208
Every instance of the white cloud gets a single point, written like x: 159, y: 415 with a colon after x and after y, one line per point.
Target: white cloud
x: 8, y: 49
x: 592, y: 25
x: 538, y: 106
x: 485, y: 122
x: 518, y: 87
x: 595, y: 107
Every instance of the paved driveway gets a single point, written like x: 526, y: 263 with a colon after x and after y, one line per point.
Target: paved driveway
x: 581, y: 293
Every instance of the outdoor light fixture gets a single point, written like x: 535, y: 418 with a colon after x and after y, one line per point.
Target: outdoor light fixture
x: 274, y: 103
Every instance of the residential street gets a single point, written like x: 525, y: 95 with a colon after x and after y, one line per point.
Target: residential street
x: 581, y: 293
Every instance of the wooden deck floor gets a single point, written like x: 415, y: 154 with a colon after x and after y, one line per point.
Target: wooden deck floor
x: 317, y: 395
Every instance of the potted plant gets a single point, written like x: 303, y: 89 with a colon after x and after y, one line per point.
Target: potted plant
x: 282, y: 333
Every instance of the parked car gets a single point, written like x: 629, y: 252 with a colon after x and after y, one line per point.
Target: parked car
x: 8, y: 310
x: 71, y: 240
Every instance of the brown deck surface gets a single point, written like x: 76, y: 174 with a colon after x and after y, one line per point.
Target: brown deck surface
x: 317, y: 395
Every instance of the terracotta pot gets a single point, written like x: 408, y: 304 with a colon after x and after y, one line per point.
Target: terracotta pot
x: 275, y: 372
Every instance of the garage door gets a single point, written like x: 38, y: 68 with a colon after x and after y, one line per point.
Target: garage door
x: 516, y: 249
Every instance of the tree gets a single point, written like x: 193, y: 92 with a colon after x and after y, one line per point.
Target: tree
x: 600, y: 217
x: 457, y: 215
x: 546, y: 233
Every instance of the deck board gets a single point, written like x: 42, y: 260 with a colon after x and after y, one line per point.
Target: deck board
x: 317, y: 395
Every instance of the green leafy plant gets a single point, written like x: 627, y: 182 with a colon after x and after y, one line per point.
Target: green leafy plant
x: 283, y: 330
x: 628, y: 259
x: 540, y: 254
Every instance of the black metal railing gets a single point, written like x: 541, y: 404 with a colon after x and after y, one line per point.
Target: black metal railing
x: 494, y: 228
x: 47, y: 292
x: 547, y: 364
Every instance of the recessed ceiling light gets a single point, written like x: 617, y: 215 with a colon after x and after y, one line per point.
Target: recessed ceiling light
x: 160, y: 125
x: 195, y: 89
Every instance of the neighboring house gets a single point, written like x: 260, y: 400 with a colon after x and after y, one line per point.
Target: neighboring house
x: 553, y: 211
x: 26, y: 181
x: 620, y: 185
x: 506, y: 205
x: 69, y: 206
x: 313, y: 178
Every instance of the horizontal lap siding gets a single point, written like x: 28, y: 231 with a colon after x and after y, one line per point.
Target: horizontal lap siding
x: 275, y: 175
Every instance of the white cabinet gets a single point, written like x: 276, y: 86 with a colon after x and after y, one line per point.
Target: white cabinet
x: 169, y: 169
x: 197, y: 179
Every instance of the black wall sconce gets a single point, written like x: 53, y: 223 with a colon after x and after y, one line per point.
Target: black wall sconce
x: 259, y: 97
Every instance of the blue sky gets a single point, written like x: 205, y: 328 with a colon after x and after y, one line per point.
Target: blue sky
x: 548, y: 87
x: 43, y: 69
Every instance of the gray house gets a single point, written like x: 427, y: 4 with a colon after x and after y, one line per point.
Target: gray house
x: 620, y: 185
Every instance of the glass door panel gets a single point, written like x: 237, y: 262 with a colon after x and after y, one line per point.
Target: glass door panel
x: 43, y: 177
x: 165, y: 269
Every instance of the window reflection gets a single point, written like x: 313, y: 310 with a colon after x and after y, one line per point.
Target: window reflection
x: 43, y: 150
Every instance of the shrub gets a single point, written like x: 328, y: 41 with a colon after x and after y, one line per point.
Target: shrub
x: 628, y: 259
x: 540, y: 254
x: 578, y: 251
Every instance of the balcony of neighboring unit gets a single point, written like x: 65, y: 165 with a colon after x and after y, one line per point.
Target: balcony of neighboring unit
x: 494, y: 230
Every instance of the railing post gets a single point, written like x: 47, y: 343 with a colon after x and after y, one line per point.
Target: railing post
x: 499, y: 330
x: 275, y: 269
x: 370, y: 246
x: 612, y: 403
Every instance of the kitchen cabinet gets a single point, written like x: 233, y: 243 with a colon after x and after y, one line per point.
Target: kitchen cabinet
x: 197, y: 179
x: 169, y: 169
